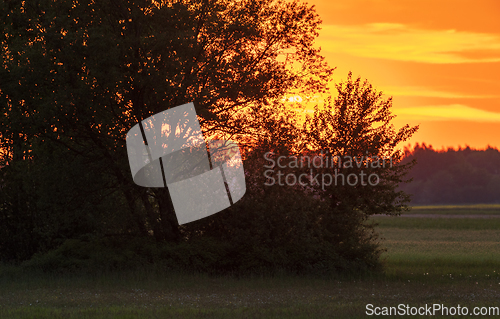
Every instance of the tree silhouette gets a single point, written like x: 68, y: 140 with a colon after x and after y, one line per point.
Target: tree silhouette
x: 77, y: 76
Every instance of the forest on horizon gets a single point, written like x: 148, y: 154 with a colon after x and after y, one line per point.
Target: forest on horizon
x: 453, y: 176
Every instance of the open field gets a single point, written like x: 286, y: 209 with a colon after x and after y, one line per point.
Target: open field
x: 428, y: 260
x: 440, y: 247
x: 486, y: 209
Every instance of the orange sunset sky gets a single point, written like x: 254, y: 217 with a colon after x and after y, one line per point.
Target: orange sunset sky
x: 439, y: 60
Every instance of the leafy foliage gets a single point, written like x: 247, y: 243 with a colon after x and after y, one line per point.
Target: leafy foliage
x: 76, y: 76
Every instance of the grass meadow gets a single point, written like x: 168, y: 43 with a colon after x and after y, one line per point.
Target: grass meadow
x: 434, y: 259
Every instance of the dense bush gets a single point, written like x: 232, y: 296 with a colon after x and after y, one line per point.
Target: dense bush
x: 299, y: 228
x: 272, y: 229
x: 68, y: 200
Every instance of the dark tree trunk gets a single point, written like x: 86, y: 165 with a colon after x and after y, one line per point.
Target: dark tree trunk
x: 152, y: 217
x: 168, y: 219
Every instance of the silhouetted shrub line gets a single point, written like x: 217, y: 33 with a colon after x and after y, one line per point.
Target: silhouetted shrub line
x: 204, y: 255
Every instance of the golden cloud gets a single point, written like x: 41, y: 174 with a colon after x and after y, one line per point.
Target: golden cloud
x: 401, y: 42
x: 428, y: 92
x: 447, y: 112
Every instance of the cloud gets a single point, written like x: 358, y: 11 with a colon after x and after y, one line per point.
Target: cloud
x: 448, y: 112
x: 428, y: 92
x: 396, y: 41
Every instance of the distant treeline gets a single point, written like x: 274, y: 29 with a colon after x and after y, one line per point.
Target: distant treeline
x: 463, y: 176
